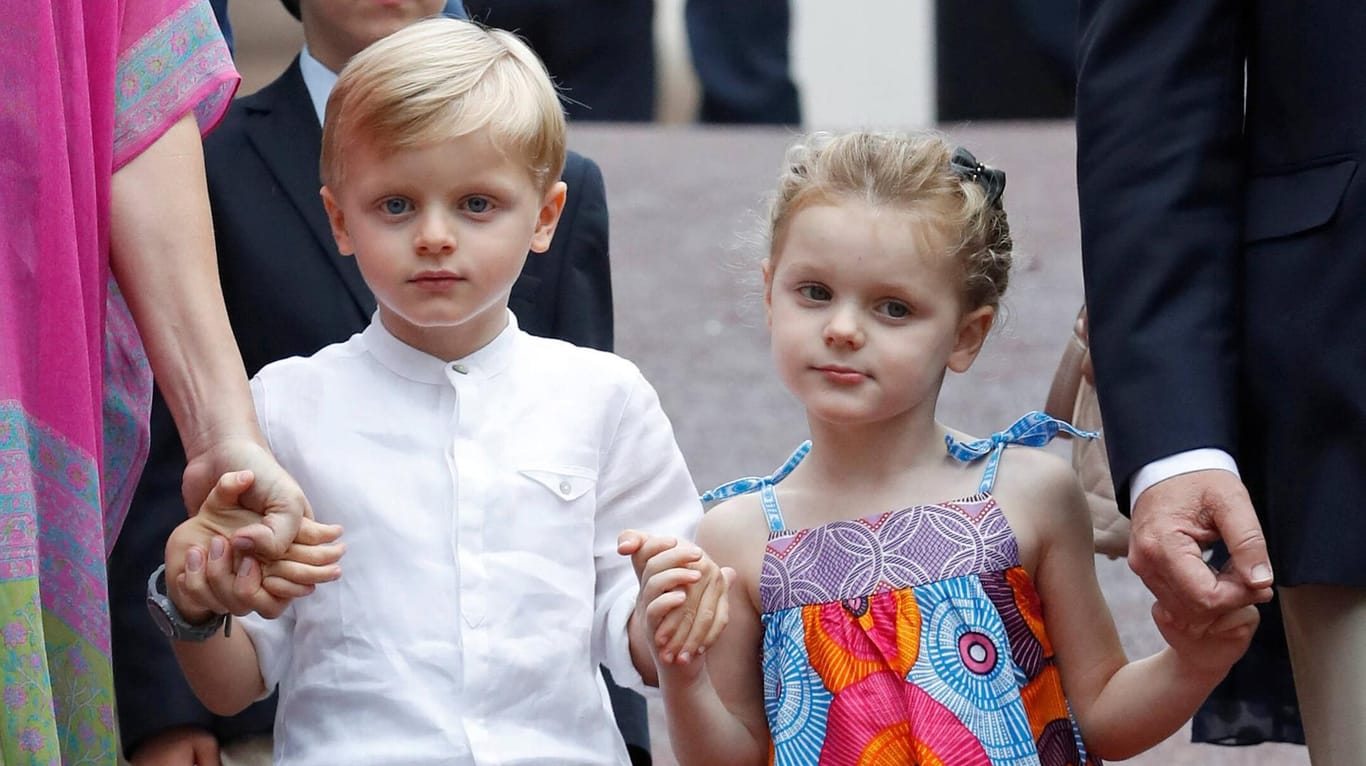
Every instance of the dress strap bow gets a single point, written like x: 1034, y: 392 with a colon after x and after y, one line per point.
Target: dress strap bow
x: 1034, y: 429
x: 764, y: 484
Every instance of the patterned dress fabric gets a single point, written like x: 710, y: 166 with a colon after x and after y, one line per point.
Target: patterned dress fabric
x: 88, y: 87
x: 908, y: 637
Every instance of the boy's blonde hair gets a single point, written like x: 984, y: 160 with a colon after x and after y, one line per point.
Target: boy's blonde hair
x: 442, y: 78
x: 912, y: 172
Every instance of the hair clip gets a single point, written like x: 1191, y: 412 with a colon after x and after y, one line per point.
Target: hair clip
x: 992, y: 180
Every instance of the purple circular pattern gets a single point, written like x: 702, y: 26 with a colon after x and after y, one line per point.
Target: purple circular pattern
x: 889, y: 551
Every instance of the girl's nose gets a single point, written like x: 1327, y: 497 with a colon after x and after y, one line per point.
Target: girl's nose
x: 435, y: 235
x: 843, y: 329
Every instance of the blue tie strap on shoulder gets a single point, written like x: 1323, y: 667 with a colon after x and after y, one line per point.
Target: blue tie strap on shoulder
x: 1034, y: 429
x: 763, y: 484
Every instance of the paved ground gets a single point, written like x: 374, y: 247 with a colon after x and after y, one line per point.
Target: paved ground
x: 686, y: 206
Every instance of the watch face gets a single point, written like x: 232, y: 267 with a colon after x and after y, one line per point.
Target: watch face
x: 162, y: 620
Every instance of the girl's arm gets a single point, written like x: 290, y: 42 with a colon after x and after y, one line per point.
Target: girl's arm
x: 1122, y: 707
x: 715, y: 709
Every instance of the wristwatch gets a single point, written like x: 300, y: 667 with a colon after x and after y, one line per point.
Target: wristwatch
x: 168, y: 619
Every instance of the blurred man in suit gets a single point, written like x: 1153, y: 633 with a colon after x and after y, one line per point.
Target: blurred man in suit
x: 289, y: 292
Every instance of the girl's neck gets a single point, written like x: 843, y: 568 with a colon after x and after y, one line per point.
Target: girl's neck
x: 876, y: 452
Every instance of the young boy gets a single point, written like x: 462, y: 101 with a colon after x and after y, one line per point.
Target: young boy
x: 483, y: 475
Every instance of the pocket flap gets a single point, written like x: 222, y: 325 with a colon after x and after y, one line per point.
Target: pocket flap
x: 569, y: 485
x: 1288, y: 203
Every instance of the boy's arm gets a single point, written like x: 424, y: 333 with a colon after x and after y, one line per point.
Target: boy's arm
x: 643, y: 483
x: 224, y: 671
x: 1122, y: 708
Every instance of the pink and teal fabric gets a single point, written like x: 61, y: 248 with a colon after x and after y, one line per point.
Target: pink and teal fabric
x: 88, y: 86
x: 911, y: 637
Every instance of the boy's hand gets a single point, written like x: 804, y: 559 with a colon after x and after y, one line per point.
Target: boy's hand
x: 1212, y: 649
x: 682, y: 600
x: 205, y: 576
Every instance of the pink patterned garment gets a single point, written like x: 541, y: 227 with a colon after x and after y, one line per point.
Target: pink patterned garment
x: 88, y: 86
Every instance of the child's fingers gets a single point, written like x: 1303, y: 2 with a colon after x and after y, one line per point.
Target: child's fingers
x: 193, y: 585
x: 660, y: 607
x: 251, y: 595
x: 314, y: 533
x: 676, y: 556
x: 705, y: 608
x: 643, y: 558
x: 280, y: 588
x: 313, y: 555
x: 303, y: 573
x: 722, y: 613
x: 1243, y: 619
x: 677, y: 579
x: 221, y: 577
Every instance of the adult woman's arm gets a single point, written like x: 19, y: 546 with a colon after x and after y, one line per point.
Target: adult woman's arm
x: 162, y: 255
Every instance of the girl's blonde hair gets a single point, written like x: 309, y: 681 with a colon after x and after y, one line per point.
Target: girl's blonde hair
x: 442, y: 78
x: 913, y: 172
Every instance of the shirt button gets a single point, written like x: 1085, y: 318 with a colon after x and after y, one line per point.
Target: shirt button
x: 460, y: 368
x: 565, y: 488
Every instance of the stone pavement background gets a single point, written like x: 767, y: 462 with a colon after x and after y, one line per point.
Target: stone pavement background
x: 686, y: 207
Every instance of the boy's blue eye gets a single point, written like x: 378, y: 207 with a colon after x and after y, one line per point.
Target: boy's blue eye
x: 395, y: 205
x: 815, y: 292
x: 896, y: 309
x: 478, y: 204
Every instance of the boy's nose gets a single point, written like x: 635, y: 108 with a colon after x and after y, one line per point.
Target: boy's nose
x: 843, y: 329
x: 435, y: 236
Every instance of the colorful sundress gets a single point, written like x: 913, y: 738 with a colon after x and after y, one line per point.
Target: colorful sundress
x: 910, y: 637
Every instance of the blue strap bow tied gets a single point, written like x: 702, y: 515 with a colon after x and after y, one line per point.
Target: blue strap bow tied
x: 1034, y: 429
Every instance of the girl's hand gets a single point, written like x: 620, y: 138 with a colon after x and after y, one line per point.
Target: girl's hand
x: 682, y: 600
x: 1210, y: 650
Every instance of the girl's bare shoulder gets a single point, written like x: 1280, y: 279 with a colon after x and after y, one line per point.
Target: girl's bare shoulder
x: 1039, y: 490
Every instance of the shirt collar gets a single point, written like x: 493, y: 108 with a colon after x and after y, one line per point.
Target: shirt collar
x: 319, y: 81
x: 419, y: 366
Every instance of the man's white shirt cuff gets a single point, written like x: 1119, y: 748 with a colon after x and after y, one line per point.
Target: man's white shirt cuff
x: 1203, y: 459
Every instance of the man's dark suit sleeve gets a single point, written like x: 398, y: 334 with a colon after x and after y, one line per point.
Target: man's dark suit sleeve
x: 1159, y: 172
x: 583, y: 297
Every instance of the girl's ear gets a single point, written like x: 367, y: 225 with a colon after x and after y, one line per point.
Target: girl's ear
x: 552, y: 205
x: 767, y: 267
x: 972, y: 333
x: 337, y: 218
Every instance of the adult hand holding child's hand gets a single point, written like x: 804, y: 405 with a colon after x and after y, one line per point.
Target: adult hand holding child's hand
x: 206, y: 576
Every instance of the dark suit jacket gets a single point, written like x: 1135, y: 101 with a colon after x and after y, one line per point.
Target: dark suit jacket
x: 1223, y: 212
x: 290, y: 293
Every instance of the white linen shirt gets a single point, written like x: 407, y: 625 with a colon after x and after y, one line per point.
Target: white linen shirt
x: 481, y: 586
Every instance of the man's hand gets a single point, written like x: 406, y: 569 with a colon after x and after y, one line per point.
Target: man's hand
x: 1173, y: 521
x: 180, y: 746
x: 278, y: 503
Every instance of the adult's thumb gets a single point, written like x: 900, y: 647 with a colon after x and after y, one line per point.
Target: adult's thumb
x: 1247, y: 552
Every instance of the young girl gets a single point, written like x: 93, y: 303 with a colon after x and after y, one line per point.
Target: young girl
x: 912, y: 604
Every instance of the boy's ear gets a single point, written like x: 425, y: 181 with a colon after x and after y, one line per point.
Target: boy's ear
x: 337, y: 218
x: 972, y: 333
x: 552, y: 205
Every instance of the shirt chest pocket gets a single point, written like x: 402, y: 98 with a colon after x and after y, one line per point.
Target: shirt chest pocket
x: 553, y: 509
